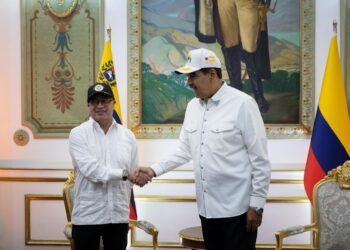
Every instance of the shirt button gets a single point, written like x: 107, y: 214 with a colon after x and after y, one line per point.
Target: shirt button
x: 201, y: 155
x: 205, y: 120
x: 202, y: 143
x: 207, y: 109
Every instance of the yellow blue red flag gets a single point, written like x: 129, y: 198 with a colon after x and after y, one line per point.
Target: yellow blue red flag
x: 106, y: 74
x: 330, y: 141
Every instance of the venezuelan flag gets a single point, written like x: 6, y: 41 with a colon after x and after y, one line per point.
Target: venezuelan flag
x: 106, y: 75
x: 330, y: 141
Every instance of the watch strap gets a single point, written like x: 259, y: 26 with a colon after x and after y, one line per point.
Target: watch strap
x: 125, y: 174
x: 258, y: 210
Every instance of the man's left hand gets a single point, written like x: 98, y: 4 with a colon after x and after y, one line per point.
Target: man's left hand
x: 253, y: 220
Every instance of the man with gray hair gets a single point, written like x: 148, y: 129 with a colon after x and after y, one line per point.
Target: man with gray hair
x: 223, y: 133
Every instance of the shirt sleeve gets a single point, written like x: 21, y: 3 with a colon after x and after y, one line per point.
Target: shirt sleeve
x: 134, y: 158
x: 181, y: 155
x: 254, y: 137
x: 134, y: 153
x: 83, y: 159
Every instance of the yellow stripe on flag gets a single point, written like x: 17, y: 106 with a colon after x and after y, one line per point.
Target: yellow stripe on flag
x: 106, y: 74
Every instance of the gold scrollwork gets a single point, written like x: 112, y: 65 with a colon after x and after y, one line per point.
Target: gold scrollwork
x: 341, y: 174
x: 61, y: 8
x: 21, y: 137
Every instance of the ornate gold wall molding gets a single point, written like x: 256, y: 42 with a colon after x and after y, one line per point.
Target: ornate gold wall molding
x: 32, y: 179
x: 144, y: 198
x: 28, y: 240
x: 157, y: 198
x: 147, y: 198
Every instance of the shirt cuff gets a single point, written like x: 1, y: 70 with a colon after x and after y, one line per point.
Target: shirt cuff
x: 116, y: 174
x: 158, y: 170
x: 257, y: 202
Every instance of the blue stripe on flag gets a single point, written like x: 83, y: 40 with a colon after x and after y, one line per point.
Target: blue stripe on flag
x: 326, y: 146
x: 116, y: 117
x: 132, y: 201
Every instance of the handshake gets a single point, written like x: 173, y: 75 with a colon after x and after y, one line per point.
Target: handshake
x: 141, y: 175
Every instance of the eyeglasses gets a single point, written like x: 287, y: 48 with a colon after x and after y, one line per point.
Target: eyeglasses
x: 103, y: 101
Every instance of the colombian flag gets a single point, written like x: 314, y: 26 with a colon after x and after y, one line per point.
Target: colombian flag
x: 330, y: 141
x: 106, y: 75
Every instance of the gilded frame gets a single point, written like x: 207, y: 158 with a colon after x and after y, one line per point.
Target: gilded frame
x: 28, y: 198
x: 61, y: 49
x: 270, y: 200
x: 158, y: 131
x: 28, y: 239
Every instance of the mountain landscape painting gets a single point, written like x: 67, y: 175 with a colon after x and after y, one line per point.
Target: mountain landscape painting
x: 168, y: 28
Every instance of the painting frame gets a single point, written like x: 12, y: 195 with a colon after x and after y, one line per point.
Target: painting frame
x: 344, y: 45
x: 302, y: 129
x: 40, y: 84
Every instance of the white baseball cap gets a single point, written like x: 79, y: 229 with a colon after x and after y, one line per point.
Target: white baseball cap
x: 199, y: 59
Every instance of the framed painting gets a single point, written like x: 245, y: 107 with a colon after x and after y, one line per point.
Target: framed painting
x: 61, y: 47
x: 161, y: 32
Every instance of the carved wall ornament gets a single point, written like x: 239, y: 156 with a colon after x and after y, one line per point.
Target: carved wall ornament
x: 21, y: 137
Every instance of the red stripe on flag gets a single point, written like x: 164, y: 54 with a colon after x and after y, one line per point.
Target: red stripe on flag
x: 313, y: 173
x: 132, y: 215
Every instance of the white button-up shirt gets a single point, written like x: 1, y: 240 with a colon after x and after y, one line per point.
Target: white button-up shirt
x: 225, y: 137
x: 101, y: 196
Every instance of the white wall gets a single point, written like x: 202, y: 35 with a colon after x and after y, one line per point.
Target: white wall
x: 53, y: 153
x: 280, y: 151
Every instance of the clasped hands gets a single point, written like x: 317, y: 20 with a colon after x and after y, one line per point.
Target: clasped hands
x: 141, y: 175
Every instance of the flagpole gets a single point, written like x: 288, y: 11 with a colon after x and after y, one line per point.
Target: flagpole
x: 109, y: 31
x: 335, y: 28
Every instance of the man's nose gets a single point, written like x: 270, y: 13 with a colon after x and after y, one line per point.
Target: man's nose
x: 99, y: 104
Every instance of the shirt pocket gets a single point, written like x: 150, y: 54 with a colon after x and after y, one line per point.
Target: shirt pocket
x: 192, y: 133
x: 90, y: 202
x: 222, y: 135
x: 95, y: 151
x: 124, y: 155
x: 222, y: 128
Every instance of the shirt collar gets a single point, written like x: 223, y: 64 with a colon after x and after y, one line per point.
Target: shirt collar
x: 95, y: 123
x: 217, y: 96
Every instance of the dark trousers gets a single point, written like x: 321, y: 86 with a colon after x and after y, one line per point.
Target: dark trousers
x: 227, y: 233
x: 87, y: 237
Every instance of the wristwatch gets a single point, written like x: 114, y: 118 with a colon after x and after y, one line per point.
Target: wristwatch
x: 125, y: 175
x: 258, y: 210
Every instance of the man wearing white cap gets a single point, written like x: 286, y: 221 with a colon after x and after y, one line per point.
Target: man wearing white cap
x: 223, y: 133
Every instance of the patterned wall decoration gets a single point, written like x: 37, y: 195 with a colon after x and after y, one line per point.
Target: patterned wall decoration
x: 61, y: 44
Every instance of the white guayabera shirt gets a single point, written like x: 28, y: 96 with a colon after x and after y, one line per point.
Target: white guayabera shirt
x: 225, y: 137
x: 101, y: 196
